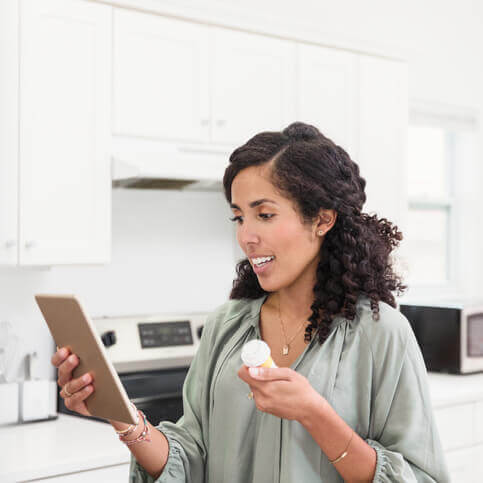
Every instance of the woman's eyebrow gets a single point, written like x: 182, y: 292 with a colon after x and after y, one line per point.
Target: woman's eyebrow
x: 253, y: 203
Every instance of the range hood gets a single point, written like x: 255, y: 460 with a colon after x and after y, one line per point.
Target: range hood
x: 172, y: 167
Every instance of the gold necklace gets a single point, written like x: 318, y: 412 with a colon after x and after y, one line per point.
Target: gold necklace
x: 286, y: 347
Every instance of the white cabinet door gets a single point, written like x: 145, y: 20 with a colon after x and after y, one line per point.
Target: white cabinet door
x: 161, y: 78
x: 465, y: 465
x: 8, y: 131
x: 65, y: 185
x: 455, y: 425
x: 253, y: 85
x: 383, y: 136
x: 478, y: 423
x: 327, y: 94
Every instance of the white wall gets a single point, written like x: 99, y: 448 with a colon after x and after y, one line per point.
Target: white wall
x: 173, y: 251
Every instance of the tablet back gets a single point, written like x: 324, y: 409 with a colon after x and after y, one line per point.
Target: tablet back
x: 71, y: 327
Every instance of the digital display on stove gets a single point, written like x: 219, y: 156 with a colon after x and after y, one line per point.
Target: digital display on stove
x: 165, y: 334
x: 475, y: 335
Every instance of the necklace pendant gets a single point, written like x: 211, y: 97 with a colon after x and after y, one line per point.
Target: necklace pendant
x: 285, y: 350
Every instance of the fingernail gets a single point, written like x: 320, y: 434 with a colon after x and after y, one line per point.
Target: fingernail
x: 253, y: 371
x: 86, y: 377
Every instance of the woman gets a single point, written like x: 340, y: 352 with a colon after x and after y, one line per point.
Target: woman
x: 349, y: 400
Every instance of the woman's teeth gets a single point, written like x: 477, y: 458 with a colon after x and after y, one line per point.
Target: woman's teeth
x: 261, y: 261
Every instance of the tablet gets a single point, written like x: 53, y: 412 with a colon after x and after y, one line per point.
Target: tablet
x: 71, y: 327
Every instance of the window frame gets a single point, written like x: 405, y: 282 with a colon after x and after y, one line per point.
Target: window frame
x: 452, y: 119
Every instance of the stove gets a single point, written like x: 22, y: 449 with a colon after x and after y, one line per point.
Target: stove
x: 152, y: 355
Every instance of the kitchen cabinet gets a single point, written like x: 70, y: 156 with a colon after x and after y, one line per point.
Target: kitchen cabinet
x: 327, y: 93
x: 161, y: 78
x: 253, y: 85
x: 177, y: 81
x: 62, y: 100
x: 455, y: 424
x: 458, y: 413
x: 361, y: 103
x: 465, y: 465
x: 383, y: 125
x: 8, y: 131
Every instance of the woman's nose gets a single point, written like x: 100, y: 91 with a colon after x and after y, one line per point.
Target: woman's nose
x: 247, y: 234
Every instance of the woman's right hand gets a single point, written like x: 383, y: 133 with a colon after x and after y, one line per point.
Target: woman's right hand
x: 79, y: 388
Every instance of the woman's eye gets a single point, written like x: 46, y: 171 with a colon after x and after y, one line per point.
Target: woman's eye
x: 265, y: 216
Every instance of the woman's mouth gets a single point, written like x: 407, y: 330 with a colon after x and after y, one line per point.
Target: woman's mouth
x: 263, y: 266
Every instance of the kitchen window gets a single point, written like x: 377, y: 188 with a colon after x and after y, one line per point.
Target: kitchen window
x: 440, y: 152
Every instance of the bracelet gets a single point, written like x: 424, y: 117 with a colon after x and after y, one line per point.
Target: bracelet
x: 131, y: 427
x: 128, y: 431
x: 144, y: 436
x: 345, y: 452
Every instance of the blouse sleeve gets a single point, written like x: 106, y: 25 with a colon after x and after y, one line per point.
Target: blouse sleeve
x: 186, y: 437
x: 404, y: 433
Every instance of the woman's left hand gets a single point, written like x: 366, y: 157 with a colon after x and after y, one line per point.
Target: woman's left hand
x: 281, y: 391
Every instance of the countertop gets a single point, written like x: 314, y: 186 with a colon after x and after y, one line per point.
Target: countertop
x: 64, y: 445
x: 70, y: 444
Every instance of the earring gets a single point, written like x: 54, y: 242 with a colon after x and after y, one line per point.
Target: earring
x: 320, y: 232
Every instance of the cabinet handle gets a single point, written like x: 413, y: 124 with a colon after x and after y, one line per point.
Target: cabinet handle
x: 205, y: 122
x: 10, y: 243
x: 30, y: 244
x: 220, y: 122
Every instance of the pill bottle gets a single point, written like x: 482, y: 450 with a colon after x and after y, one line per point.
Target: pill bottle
x: 256, y: 353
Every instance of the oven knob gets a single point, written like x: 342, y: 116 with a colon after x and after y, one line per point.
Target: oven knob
x: 199, y: 330
x: 108, y: 338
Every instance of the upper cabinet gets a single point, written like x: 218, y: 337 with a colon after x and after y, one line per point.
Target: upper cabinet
x: 63, y: 101
x: 361, y: 103
x: 327, y: 93
x: 161, y: 78
x: 383, y: 126
x: 8, y: 132
x: 177, y: 81
x: 253, y: 85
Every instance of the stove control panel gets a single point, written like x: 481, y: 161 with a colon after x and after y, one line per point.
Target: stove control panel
x: 164, y: 334
x: 145, y: 342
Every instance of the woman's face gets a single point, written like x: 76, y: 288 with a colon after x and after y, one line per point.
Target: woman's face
x: 273, y: 228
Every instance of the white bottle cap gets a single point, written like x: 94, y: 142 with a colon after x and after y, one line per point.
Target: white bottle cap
x: 255, y: 353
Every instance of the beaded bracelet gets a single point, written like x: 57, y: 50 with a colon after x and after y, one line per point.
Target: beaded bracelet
x: 144, y: 436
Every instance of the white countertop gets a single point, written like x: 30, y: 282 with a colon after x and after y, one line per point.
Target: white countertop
x: 70, y: 444
x: 63, y: 445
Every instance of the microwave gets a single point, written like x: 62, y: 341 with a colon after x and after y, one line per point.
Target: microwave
x: 450, y: 335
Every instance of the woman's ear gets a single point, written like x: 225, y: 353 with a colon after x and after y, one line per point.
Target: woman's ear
x: 326, y: 221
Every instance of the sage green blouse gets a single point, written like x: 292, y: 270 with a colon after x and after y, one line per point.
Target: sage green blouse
x: 371, y: 372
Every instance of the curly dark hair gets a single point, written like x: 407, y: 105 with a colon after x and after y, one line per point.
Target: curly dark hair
x: 313, y: 172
